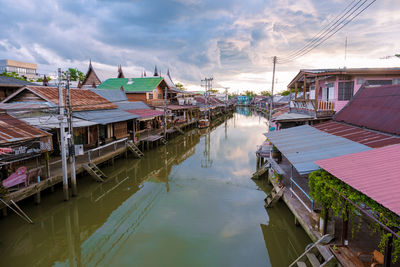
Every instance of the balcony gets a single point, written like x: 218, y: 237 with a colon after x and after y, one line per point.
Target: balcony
x: 309, y: 107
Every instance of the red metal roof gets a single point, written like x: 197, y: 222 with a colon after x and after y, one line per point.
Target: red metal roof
x: 374, y: 173
x: 376, y: 108
x: 146, y: 113
x: 14, y: 130
x: 363, y: 136
x: 81, y: 99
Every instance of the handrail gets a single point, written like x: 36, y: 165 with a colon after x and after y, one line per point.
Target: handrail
x: 114, y: 143
x: 302, y: 190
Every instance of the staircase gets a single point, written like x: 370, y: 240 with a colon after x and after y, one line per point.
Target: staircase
x: 274, y: 196
x: 163, y: 140
x: 95, y: 172
x: 263, y: 169
x: 179, y: 129
x: 134, y: 149
x: 317, y: 255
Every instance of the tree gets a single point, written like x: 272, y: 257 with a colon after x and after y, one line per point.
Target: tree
x: 265, y: 93
x: 250, y: 94
x: 211, y: 90
x: 76, y: 74
x: 180, y: 86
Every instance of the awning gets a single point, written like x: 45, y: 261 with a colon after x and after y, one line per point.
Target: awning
x: 374, y: 173
x: 303, y: 145
x: 288, y: 116
x: 105, y: 116
x: 146, y: 113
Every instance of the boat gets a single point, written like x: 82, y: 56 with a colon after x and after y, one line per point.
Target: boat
x: 204, y: 123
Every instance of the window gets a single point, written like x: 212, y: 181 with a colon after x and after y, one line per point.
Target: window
x: 360, y: 80
x: 159, y: 96
x: 379, y: 82
x: 396, y: 81
x: 345, y: 90
x: 150, y: 95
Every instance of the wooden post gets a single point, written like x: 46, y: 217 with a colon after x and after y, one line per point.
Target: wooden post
x: 304, y: 87
x: 388, y: 251
x: 316, y: 95
x: 47, y: 157
x: 295, y: 90
x: 37, y: 198
x: 345, y: 227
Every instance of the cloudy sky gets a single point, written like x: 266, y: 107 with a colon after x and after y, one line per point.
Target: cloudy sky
x: 231, y: 40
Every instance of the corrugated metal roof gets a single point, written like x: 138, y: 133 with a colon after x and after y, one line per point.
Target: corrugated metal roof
x: 111, y: 95
x: 304, y: 144
x: 374, y: 173
x: 147, y: 84
x: 287, y: 116
x: 146, y: 113
x: 105, y: 116
x: 376, y: 108
x: 15, y: 130
x: 132, y: 105
x: 363, y: 136
x: 81, y: 99
x: 9, y: 81
x: 52, y: 122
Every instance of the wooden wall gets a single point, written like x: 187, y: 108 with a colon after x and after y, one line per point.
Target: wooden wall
x: 136, y: 96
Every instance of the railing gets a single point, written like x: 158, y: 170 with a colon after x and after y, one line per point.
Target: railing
x: 325, y: 105
x: 296, y: 185
x: 101, y: 150
x: 157, y: 102
x: 324, y: 108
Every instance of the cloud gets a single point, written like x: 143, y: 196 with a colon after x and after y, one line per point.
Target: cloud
x: 231, y: 40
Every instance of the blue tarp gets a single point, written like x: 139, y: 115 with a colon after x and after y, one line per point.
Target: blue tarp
x: 303, y: 145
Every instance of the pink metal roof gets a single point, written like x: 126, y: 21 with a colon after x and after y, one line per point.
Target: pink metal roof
x: 146, y: 113
x: 363, y: 136
x: 375, y: 173
x: 375, y: 108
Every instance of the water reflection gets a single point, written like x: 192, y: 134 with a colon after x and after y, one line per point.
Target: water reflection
x: 164, y: 209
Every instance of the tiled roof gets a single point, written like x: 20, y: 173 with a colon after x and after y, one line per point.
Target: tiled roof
x: 14, y: 130
x: 147, y: 84
x: 81, y: 99
x: 374, y: 173
x: 376, y: 108
x: 363, y: 136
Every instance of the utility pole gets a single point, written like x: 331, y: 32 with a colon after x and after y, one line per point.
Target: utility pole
x: 165, y: 113
x: 71, y: 140
x: 62, y: 136
x: 272, y: 92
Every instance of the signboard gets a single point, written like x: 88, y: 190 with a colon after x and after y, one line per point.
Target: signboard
x: 15, y: 151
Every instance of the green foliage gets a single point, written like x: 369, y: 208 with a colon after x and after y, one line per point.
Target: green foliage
x: 321, y: 190
x: 286, y: 92
x: 76, y: 74
x: 41, y: 79
x: 180, y: 86
x: 250, y: 94
x: 213, y: 90
x: 265, y: 93
x: 13, y: 75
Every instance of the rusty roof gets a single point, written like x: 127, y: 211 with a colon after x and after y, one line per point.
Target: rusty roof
x: 14, y: 130
x: 363, y: 136
x: 376, y: 108
x: 374, y: 173
x: 81, y: 99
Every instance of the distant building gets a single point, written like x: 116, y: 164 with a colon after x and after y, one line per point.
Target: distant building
x: 21, y: 68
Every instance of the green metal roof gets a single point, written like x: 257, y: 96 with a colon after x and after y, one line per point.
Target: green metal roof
x: 147, y: 84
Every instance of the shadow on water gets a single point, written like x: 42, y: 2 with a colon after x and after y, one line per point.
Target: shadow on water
x: 191, y: 202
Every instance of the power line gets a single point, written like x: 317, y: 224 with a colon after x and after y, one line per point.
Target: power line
x: 329, y: 34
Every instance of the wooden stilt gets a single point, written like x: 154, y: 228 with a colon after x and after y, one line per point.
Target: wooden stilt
x: 345, y: 227
x: 4, y: 211
x: 37, y: 198
x: 388, y: 252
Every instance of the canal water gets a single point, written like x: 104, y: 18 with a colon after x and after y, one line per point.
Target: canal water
x: 189, y: 203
